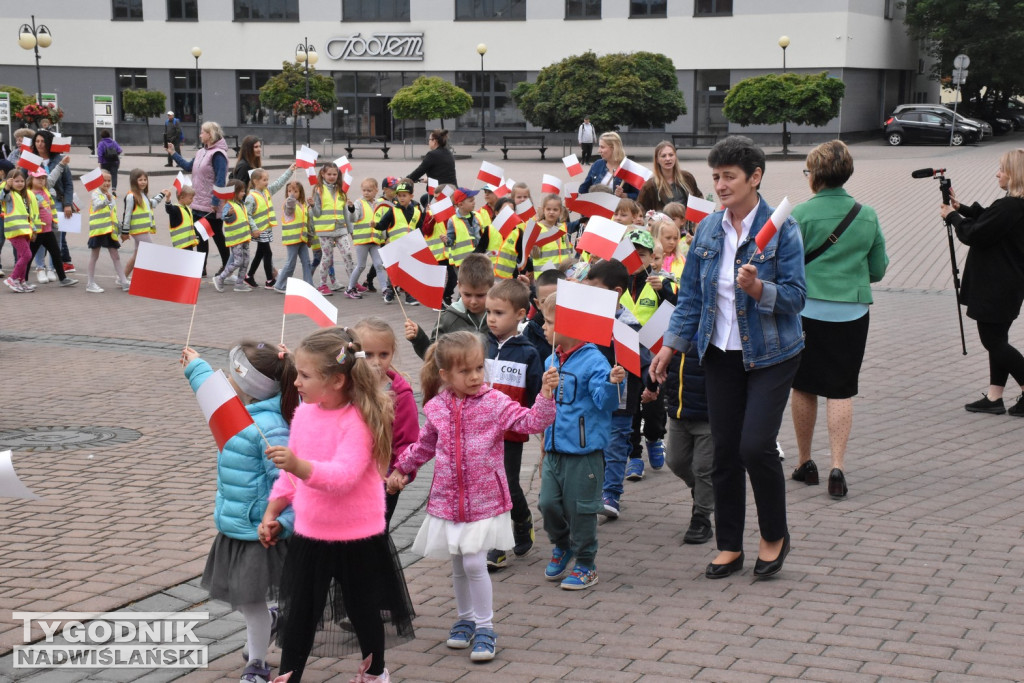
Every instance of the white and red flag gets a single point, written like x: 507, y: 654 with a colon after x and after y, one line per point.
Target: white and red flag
x: 343, y: 164
x: 549, y: 184
x: 29, y: 161
x: 92, y: 179
x: 26, y: 144
x: 531, y: 231
x: 525, y: 210
x: 225, y: 193
x: 224, y: 411
x: 302, y: 298
x: 626, y: 254
x: 312, y: 176
x: 506, y: 221
x: 490, y: 173
x: 626, y: 342
x: 767, y: 232
x: 60, y: 144
x: 652, y: 334
x: 413, y: 244
x: 504, y: 188
x: 431, y: 186
x: 697, y: 209
x: 572, y: 165
x: 181, y: 181
x: 346, y: 182
x: 602, y: 236
x: 444, y: 191
x: 306, y: 157
x: 601, y: 204
x: 633, y: 173
x: 167, y: 274
x: 424, y: 281
x: 584, y: 312
x: 442, y: 210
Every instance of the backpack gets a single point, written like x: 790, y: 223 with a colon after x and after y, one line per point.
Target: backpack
x: 110, y: 154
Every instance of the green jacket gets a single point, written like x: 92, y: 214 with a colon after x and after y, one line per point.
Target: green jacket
x: 846, y: 270
x: 455, y: 318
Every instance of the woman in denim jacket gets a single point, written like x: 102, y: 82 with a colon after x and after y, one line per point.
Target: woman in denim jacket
x: 742, y: 310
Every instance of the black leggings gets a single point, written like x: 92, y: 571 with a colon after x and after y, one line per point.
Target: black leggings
x: 654, y: 419
x: 263, y: 254
x: 48, y: 241
x: 513, y: 464
x: 217, y: 224
x: 1003, y: 359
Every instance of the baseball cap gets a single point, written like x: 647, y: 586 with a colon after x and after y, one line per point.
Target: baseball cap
x: 170, y: 113
x: 489, y: 188
x: 6, y: 166
x: 641, y: 238
x: 462, y: 194
x: 390, y: 181
x: 38, y: 173
x: 403, y: 187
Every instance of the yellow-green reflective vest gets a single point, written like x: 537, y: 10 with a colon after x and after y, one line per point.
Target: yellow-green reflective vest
x: 102, y: 220
x: 183, y: 235
x: 645, y: 305
x: 294, y: 231
x: 237, y: 230
x: 142, y: 221
x: 362, y: 233
x: 19, y: 215
x: 401, y: 225
x: 332, y: 207
x: 462, y: 246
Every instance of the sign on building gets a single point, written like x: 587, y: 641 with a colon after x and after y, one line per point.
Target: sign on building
x: 395, y: 47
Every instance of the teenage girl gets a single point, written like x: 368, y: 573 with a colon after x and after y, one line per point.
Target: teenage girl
x: 466, y: 421
x: 341, y: 562
x: 550, y: 254
x: 330, y: 221
x: 239, y: 569
x: 103, y: 234
x: 237, y: 236
x: 21, y: 213
x: 138, y: 220
x: 45, y: 237
x: 260, y: 206
x: 294, y: 235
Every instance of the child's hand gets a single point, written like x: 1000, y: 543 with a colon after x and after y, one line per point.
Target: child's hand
x: 396, y: 482
x: 168, y: 191
x: 188, y: 355
x: 283, y: 458
x: 617, y: 374
x: 549, y: 382
x: 268, y: 531
x: 647, y: 396
x: 411, y: 329
x: 293, y: 166
x: 66, y: 160
x: 655, y: 282
x: 254, y: 233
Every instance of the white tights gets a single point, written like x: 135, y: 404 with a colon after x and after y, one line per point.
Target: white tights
x: 257, y: 629
x: 94, y: 256
x: 474, y: 597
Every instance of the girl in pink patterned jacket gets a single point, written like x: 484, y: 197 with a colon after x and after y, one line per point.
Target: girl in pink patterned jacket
x: 469, y: 507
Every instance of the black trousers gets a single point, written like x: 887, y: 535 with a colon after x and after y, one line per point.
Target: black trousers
x: 513, y: 464
x: 587, y: 148
x: 218, y: 239
x: 745, y: 411
x: 263, y: 254
x: 1003, y: 359
x: 649, y: 422
x: 48, y: 241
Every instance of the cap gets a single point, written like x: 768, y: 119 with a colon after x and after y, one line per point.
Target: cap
x: 6, y: 166
x: 38, y: 173
x: 641, y: 238
x: 170, y: 113
x: 463, y: 194
x: 403, y: 187
x: 489, y: 188
x: 390, y: 181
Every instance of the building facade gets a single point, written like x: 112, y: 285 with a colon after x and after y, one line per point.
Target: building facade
x: 371, y: 48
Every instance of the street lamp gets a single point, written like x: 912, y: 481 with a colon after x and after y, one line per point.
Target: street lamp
x: 481, y: 50
x: 305, y: 54
x: 32, y: 37
x: 197, y: 53
x: 784, y: 43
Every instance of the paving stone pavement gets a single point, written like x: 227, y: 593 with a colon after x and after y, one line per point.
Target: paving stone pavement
x: 917, y: 575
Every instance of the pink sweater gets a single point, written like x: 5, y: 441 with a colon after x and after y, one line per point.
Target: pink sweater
x: 343, y: 499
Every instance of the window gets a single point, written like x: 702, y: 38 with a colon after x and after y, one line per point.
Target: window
x: 250, y: 111
x: 375, y: 10
x: 183, y: 10
x: 127, y: 10
x: 712, y: 8
x: 186, y: 94
x: 582, y: 9
x: 490, y: 10
x: 501, y: 111
x: 266, y: 10
x: 130, y: 79
x: 639, y: 9
x: 889, y: 9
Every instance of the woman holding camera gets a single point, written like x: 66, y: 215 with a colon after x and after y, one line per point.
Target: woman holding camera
x: 993, y: 282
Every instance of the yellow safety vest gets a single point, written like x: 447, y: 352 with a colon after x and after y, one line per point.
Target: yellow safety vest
x: 270, y: 207
x: 294, y: 231
x: 362, y: 232
x: 553, y: 252
x: 436, y: 241
x: 142, y: 221
x: 677, y: 271
x: 644, y: 307
x: 102, y: 220
x: 401, y: 225
x: 262, y: 214
x: 332, y: 209
x: 504, y: 252
x: 19, y: 218
x: 183, y: 235
x: 37, y: 221
x: 463, y: 244
x: 237, y: 231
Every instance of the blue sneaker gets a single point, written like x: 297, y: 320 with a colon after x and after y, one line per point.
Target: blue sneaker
x: 611, y: 506
x: 483, y: 645
x: 558, y: 565
x: 461, y: 634
x: 656, y: 454
x: 580, y: 578
x: 634, y: 469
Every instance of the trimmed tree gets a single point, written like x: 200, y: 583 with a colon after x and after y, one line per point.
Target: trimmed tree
x: 144, y: 104
x: 430, y: 97
x: 811, y: 99
x: 284, y: 91
x: 638, y: 89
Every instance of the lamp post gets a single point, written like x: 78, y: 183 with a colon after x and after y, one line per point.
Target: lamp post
x: 784, y: 43
x: 481, y: 50
x: 306, y: 55
x: 197, y: 53
x: 32, y: 37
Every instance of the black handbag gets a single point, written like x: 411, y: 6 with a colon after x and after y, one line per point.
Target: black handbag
x: 834, y: 237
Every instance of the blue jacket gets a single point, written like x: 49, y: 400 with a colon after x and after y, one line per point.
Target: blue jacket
x: 598, y: 171
x: 584, y: 402
x: 244, y: 473
x: 685, y: 397
x: 770, y: 328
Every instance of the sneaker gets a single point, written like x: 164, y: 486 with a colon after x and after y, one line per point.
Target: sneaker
x: 93, y: 288
x: 68, y: 282
x: 524, y: 537
x: 634, y: 469
x: 250, y: 280
x: 483, y: 645
x: 558, y: 565
x: 325, y: 290
x: 41, y: 276
x: 699, y: 531
x: 69, y: 267
x: 273, y: 631
x: 353, y: 294
x: 984, y: 405
x: 656, y: 454
x: 335, y: 286
x: 580, y: 578
x: 3, y: 274
x: 410, y: 301
x: 496, y: 559
x: 368, y: 287
x: 611, y: 506
x: 12, y: 284
x: 389, y: 296
x: 361, y: 289
x: 17, y: 287
x: 27, y: 286
x: 256, y: 672
x: 218, y: 283
x: 51, y: 275
x: 1018, y: 408
x: 461, y: 634
x: 242, y: 287
x: 125, y: 284
x: 269, y: 284
x: 232, y: 280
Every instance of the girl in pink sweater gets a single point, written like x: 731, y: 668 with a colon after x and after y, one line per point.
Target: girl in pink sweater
x: 469, y: 507
x: 341, y: 563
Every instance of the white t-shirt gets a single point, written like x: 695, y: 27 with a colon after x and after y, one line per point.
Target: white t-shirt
x: 726, y: 333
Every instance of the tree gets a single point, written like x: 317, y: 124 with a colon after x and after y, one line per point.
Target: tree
x: 144, y: 104
x: 811, y: 99
x: 18, y: 98
x: 990, y: 32
x: 282, y: 91
x: 430, y: 97
x: 638, y: 89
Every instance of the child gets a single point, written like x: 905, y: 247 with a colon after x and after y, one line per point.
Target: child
x: 570, y: 490
x: 545, y: 283
x: 396, y: 222
x: 103, y: 234
x: 628, y: 213
x: 550, y: 254
x: 463, y: 229
x: 5, y: 168
x: 380, y: 347
x: 331, y: 225
x: 365, y: 239
x: 183, y: 231
x: 239, y: 570
x: 513, y: 368
x: 383, y: 203
x: 476, y: 277
x: 505, y: 251
x: 259, y: 204
x: 45, y: 237
x: 294, y: 236
x: 490, y: 199
x: 468, y: 508
x: 341, y: 563
x: 666, y: 281
x: 138, y: 220
x: 21, y: 212
x: 237, y: 235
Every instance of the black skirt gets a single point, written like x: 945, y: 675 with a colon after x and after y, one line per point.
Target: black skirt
x: 243, y: 572
x: 103, y: 242
x: 832, y: 356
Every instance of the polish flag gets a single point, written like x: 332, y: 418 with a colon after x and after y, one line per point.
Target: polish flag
x: 627, y: 347
x: 346, y: 182
x: 29, y: 161
x: 490, y: 173
x: 549, y: 235
x: 503, y: 188
x: 302, y: 298
x: 531, y: 231
x: 572, y: 165
x: 26, y: 144
x: 626, y: 254
x: 424, y: 281
x: 312, y: 177
x: 506, y: 221
x: 431, y: 186
x: 343, y: 164
x: 60, y: 144
x: 222, y: 408
x: 204, y: 229
x: 525, y: 210
x: 92, y: 179
x: 633, y: 173
x: 602, y: 236
x: 572, y: 190
x: 767, y: 232
x: 306, y: 157
x: 698, y: 209
x: 225, y: 193
x: 584, y: 312
x: 443, y: 210
x: 549, y: 184
x: 653, y: 332
x: 601, y: 204
x: 181, y: 181
x: 167, y: 274
x: 413, y: 244
x: 445, y: 191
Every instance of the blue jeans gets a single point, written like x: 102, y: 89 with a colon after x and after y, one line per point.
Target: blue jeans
x: 295, y: 251
x: 616, y: 454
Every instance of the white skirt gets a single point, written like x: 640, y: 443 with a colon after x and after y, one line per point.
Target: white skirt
x: 440, y: 538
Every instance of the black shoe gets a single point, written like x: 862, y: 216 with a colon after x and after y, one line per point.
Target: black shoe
x: 369, y: 286
x: 983, y: 405
x: 699, y: 531
x: 807, y: 473
x: 721, y: 571
x: 523, y: 534
x: 410, y: 301
x: 763, y: 569
x: 1018, y: 408
x: 837, y: 483
x: 250, y: 280
x: 168, y: 165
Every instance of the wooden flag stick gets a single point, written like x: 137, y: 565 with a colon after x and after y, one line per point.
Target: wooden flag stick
x: 283, y: 318
x: 398, y: 298
x: 267, y: 441
x: 188, y: 337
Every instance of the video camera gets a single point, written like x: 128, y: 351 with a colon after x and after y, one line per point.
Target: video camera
x: 945, y: 184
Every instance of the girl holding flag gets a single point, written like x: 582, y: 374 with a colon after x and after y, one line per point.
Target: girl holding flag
x: 330, y: 221
x: 103, y: 234
x: 138, y: 220
x: 21, y: 212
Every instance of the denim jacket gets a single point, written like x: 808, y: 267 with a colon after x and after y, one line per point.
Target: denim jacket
x: 770, y: 328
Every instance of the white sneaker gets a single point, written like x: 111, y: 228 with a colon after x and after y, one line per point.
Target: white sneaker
x: 93, y: 288
x: 26, y: 286
x: 125, y: 283
x: 51, y: 275
x: 335, y: 286
x: 12, y: 284
x: 231, y: 279
x: 41, y: 276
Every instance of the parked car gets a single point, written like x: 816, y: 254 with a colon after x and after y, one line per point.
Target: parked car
x: 1010, y: 112
x: 1000, y: 124
x: 923, y: 125
x: 985, y: 127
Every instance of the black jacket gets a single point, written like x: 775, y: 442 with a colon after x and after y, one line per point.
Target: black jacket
x: 684, y: 388
x: 438, y: 164
x: 993, y: 282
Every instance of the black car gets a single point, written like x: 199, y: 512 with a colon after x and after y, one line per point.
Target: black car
x: 1010, y: 113
x: 930, y: 126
